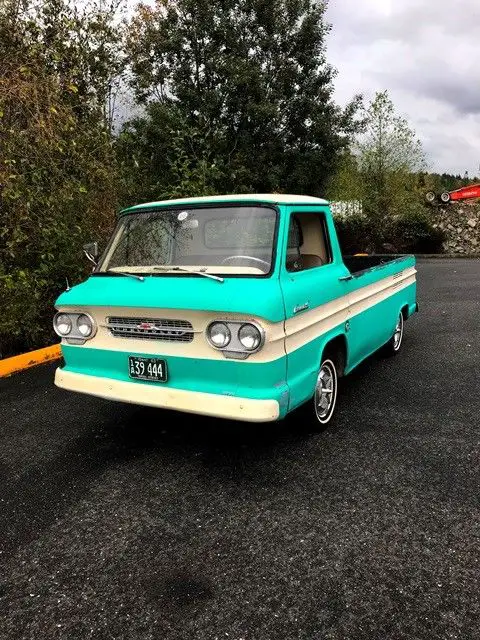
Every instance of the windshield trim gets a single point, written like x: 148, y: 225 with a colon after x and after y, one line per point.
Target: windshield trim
x: 229, y: 205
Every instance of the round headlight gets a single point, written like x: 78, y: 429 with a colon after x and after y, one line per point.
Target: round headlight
x: 250, y: 337
x: 85, y: 325
x: 219, y: 335
x: 62, y: 324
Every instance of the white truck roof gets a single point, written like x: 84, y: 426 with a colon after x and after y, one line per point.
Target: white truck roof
x: 273, y: 198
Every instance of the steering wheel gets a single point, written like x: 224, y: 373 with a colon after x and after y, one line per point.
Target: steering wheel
x: 251, y: 258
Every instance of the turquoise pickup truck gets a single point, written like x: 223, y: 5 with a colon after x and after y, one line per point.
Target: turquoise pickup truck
x: 238, y: 307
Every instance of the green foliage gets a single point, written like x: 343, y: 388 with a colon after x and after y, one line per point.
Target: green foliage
x: 388, y: 144
x: 356, y: 234
x: 347, y: 184
x: 409, y: 233
x: 414, y: 233
x: 57, y: 169
x: 384, y: 169
x: 161, y: 156
x: 247, y: 85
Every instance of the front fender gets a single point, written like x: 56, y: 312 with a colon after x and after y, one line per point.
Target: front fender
x: 304, y: 363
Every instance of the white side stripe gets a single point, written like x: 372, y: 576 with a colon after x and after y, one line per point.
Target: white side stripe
x: 302, y: 330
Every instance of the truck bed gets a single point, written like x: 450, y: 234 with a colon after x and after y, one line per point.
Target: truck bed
x: 360, y: 264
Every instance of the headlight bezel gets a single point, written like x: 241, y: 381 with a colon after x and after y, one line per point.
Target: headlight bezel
x: 235, y: 349
x: 258, y: 339
x: 75, y: 336
x: 91, y: 323
x: 210, y: 339
x: 56, y: 324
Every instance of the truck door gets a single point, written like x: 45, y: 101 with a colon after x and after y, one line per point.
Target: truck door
x: 316, y: 303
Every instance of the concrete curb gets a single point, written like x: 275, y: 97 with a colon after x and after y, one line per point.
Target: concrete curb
x: 448, y: 256
x: 427, y: 256
x: 421, y: 256
x: 30, y: 359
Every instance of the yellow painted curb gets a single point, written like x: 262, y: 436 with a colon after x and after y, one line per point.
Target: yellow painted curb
x: 27, y: 360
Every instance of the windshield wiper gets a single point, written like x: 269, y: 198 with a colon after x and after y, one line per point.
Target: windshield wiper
x: 126, y: 273
x: 202, y: 272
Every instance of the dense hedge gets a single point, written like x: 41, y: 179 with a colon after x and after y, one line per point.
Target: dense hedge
x: 412, y: 233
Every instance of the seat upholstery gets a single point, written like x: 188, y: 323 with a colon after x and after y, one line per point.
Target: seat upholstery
x: 309, y: 261
x: 303, y: 262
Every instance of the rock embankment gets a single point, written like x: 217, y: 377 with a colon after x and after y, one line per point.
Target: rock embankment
x: 461, y: 225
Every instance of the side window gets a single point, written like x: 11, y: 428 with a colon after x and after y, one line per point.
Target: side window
x: 308, y: 244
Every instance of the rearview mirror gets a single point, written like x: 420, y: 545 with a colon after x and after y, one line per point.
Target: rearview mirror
x: 91, y: 251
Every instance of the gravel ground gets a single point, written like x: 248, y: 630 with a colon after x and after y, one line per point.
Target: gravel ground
x: 124, y: 522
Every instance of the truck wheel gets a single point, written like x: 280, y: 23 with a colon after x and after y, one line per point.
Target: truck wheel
x: 325, y: 396
x: 394, y: 345
x: 430, y: 197
x: 317, y: 413
x: 445, y: 197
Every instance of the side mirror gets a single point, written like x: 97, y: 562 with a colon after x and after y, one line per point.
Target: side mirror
x: 91, y: 251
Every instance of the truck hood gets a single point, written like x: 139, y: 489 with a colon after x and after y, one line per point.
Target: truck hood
x: 260, y: 297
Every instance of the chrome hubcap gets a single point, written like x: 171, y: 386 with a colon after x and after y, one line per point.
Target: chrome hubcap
x: 398, y: 335
x: 325, y: 391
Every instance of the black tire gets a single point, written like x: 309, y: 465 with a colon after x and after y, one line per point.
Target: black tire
x: 395, y: 343
x: 431, y: 197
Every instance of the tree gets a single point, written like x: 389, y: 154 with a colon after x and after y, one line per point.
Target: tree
x: 385, y: 167
x: 390, y: 158
x: 346, y: 184
x: 383, y: 176
x: 249, y: 82
x: 57, y: 169
x: 161, y: 155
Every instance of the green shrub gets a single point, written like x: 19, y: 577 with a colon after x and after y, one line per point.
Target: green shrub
x: 356, y: 235
x: 411, y: 233
x: 414, y: 233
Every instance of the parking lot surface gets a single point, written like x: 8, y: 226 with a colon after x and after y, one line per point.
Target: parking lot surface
x: 123, y: 522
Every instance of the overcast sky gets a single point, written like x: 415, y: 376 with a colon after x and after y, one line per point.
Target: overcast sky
x: 427, y: 54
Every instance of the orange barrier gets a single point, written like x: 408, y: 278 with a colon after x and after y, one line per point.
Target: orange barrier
x: 27, y: 360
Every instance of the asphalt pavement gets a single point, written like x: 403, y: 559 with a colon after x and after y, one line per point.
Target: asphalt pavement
x: 123, y: 522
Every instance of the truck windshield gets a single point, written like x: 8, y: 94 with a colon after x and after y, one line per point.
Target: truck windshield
x: 224, y: 240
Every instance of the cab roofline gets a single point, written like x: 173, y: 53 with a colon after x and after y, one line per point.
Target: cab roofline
x: 268, y: 198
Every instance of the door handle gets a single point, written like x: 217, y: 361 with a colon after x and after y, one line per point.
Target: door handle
x: 346, y: 278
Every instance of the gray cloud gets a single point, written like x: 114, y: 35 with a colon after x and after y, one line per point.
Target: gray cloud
x: 427, y: 55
